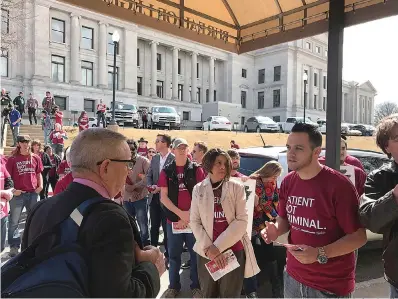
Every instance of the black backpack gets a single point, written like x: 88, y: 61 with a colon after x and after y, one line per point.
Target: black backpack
x: 60, y: 272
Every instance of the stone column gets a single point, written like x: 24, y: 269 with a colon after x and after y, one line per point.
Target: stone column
x: 194, y: 61
x: 75, y: 72
x: 102, y: 65
x: 130, y: 60
x: 343, y: 103
x: 154, y: 72
x: 175, y: 74
x: 311, y: 88
x: 211, y: 79
x: 320, y: 93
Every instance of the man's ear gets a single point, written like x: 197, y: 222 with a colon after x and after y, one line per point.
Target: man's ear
x: 103, y: 168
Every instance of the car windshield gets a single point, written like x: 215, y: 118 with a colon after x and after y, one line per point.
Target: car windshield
x: 221, y: 118
x: 121, y: 106
x: 265, y: 119
x: 307, y: 120
x: 250, y: 164
x: 164, y: 110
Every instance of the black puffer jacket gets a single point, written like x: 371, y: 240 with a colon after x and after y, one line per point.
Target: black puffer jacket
x: 379, y: 213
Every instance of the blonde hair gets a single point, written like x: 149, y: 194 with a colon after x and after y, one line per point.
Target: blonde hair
x: 270, y: 169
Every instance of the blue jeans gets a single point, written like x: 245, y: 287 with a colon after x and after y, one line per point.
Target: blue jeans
x: 295, y: 289
x: 4, y: 221
x: 393, y: 292
x: 176, y: 244
x: 47, y: 132
x: 139, y: 210
x: 27, y: 200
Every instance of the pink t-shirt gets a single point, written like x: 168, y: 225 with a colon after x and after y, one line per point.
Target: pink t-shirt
x: 184, y: 197
x: 5, y: 207
x: 24, y: 171
x: 319, y: 214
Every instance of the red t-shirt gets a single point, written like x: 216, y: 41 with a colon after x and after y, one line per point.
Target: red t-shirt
x: 360, y: 176
x: 56, y: 137
x: 58, y: 117
x: 220, y: 223
x: 4, y: 204
x: 63, y: 183
x: 353, y: 161
x: 24, y: 171
x: 142, y: 151
x: 83, y: 123
x: 184, y: 198
x: 101, y: 107
x: 238, y: 175
x: 319, y: 214
x: 235, y: 146
x: 63, y: 168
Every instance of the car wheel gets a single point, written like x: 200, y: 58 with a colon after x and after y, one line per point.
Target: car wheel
x: 258, y: 130
x: 94, y: 125
x: 246, y: 129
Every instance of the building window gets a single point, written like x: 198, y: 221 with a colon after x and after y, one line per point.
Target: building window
x: 207, y: 96
x: 315, y: 101
x: 324, y: 104
x: 138, y: 57
x: 60, y: 102
x: 243, y: 94
x: 308, y: 45
x: 57, y: 30
x: 244, y: 73
x: 58, y: 68
x: 198, y: 94
x: 159, y: 89
x: 315, y: 79
x: 4, y: 63
x: 87, y: 73
x: 110, y: 77
x: 276, y: 118
x: 276, y: 98
x: 179, y: 66
x: 277, y: 73
x: 318, y: 49
x: 197, y: 70
x: 261, y: 76
x: 111, y: 45
x: 89, y: 105
x: 159, y: 62
x: 139, y: 86
x: 87, y: 38
x: 181, y: 92
x: 242, y: 121
x: 324, y: 82
x: 215, y: 96
x: 260, y: 99
x: 5, y: 21
x: 185, y: 115
x: 326, y: 53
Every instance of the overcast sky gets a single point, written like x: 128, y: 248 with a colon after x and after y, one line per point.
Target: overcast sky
x: 371, y: 53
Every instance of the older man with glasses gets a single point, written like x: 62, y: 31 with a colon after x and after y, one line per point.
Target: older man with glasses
x: 118, y: 263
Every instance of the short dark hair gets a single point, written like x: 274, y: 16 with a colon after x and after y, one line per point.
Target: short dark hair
x: 233, y: 153
x: 166, y: 138
x: 384, y: 131
x: 47, y: 147
x: 133, y: 143
x: 313, y: 133
x: 210, y: 158
x: 202, y: 146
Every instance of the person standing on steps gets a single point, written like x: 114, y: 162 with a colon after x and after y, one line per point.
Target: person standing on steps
x: 101, y: 110
x: 19, y: 102
x: 83, y: 121
x: 15, y: 122
x: 48, y: 103
x: 47, y: 126
x: 33, y: 105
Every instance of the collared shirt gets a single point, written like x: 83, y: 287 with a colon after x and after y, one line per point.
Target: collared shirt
x: 163, y: 161
x: 100, y: 189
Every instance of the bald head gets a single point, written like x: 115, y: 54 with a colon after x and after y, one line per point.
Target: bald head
x: 95, y: 145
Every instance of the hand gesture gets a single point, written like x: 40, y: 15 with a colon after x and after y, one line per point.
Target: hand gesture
x: 212, y: 252
x: 304, y: 254
x: 270, y: 232
x: 184, y: 215
x: 221, y: 261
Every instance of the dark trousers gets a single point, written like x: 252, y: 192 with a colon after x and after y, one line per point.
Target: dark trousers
x: 228, y: 286
x: 47, y: 181
x: 145, y: 124
x: 21, y: 111
x: 4, y: 221
x: 176, y: 247
x: 101, y: 117
x: 28, y: 200
x: 32, y: 113
x: 157, y: 218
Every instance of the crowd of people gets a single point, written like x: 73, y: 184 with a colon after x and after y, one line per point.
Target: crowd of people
x: 197, y: 195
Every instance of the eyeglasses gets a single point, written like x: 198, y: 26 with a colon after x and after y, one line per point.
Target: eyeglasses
x: 152, y: 152
x: 129, y: 163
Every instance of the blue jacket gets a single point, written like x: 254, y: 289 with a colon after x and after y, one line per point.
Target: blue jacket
x: 14, y: 116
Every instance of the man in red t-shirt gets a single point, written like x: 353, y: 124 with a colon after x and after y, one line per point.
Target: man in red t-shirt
x: 235, y: 158
x: 59, y: 115
x: 66, y: 178
x: 101, y: 110
x: 319, y: 206
x: 234, y: 144
x: 25, y: 170
x: 176, y: 182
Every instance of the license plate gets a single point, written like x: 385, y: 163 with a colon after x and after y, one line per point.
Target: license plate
x: 166, y: 124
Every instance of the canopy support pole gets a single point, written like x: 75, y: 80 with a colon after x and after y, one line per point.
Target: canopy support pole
x: 334, y: 82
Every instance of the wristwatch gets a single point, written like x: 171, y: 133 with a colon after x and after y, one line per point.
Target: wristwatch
x: 322, y: 258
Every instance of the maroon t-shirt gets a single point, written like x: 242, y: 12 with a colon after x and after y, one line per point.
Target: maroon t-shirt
x: 320, y: 211
x: 24, y: 171
x: 238, y: 175
x: 56, y: 137
x: 220, y: 223
x: 63, y: 183
x: 351, y: 160
x: 142, y: 151
x: 63, y: 168
x: 184, y: 198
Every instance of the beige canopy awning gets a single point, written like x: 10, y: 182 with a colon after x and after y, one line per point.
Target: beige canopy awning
x: 239, y: 26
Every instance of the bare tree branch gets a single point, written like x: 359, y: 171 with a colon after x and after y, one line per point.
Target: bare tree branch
x: 384, y: 109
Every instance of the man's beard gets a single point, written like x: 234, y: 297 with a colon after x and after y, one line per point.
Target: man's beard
x: 302, y: 165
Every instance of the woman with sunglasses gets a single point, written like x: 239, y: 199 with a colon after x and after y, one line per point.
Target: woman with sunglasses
x: 151, y: 153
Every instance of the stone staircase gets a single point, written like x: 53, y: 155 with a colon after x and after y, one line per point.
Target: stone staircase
x: 35, y: 132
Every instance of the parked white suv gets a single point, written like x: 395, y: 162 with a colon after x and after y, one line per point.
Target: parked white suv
x: 164, y: 117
